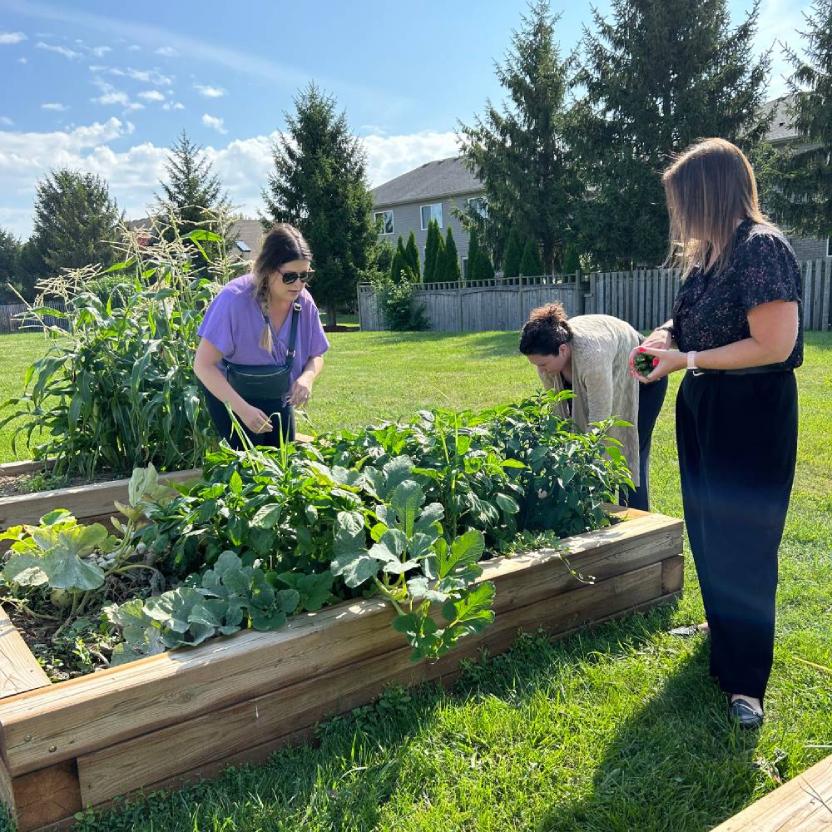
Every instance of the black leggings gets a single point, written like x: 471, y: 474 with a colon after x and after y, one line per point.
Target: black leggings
x: 650, y: 400
x: 737, y: 441
x: 282, y: 418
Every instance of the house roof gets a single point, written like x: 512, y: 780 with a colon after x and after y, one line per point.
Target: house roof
x: 780, y: 129
x: 444, y: 177
x: 249, y: 231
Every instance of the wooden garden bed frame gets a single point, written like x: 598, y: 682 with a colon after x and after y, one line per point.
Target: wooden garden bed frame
x: 166, y: 720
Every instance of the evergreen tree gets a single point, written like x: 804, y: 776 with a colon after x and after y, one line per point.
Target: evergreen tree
x: 412, y: 255
x: 513, y: 255
x: 447, y: 270
x: 319, y: 185
x: 192, y: 197
x: 10, y: 268
x: 401, y: 251
x: 806, y: 180
x: 483, y: 269
x: 520, y: 153
x: 75, y: 223
x: 398, y: 263
x: 657, y: 76
x: 433, y: 248
x: 530, y: 265
x: 473, y: 254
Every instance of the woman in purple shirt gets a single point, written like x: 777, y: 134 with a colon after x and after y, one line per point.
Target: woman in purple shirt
x: 262, y: 343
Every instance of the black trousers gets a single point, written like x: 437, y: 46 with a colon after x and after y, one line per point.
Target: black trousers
x: 650, y: 400
x: 737, y: 442
x: 282, y: 418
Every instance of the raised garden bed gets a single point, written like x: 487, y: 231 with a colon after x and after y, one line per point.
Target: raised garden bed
x: 170, y: 718
x: 804, y: 804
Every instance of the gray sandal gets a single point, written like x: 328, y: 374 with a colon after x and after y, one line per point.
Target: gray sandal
x: 745, y: 716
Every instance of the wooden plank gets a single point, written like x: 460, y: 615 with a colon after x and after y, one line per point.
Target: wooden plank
x: 24, y: 466
x: 162, y: 754
x: 77, y: 716
x: 82, y: 500
x: 19, y: 669
x: 818, y: 300
x: 46, y: 796
x: 808, y: 296
x: 804, y: 804
x: 827, y: 296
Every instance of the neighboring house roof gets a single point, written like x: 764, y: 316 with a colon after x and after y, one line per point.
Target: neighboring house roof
x: 249, y: 232
x: 444, y: 177
x: 780, y: 130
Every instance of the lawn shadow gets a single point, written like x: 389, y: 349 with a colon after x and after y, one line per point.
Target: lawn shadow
x: 676, y: 765
x: 348, y: 752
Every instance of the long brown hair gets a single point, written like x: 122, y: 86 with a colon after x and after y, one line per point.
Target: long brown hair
x: 709, y: 188
x: 283, y: 244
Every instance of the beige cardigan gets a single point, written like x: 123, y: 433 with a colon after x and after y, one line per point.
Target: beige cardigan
x: 601, y: 383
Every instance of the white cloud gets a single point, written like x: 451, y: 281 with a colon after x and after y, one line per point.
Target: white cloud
x: 214, y: 122
x: 23, y: 60
x: 209, y: 92
x: 390, y: 156
x: 60, y: 50
x: 134, y: 47
x: 56, y: 106
x: 100, y: 51
x: 145, y: 76
x: 243, y: 165
x: 173, y: 105
x: 11, y: 38
x: 111, y: 96
x: 152, y: 95
x: 6, y: 121
x: 167, y: 52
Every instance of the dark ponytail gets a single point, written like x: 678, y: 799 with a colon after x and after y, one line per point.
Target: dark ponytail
x: 545, y: 331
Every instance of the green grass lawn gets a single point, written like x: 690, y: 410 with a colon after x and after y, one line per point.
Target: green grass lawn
x: 615, y: 729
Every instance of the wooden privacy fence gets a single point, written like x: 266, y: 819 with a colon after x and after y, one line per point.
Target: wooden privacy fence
x: 644, y: 297
x: 480, y: 305
x: 12, y: 318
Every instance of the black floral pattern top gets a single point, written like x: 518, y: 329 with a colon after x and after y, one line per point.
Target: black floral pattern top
x: 711, y: 310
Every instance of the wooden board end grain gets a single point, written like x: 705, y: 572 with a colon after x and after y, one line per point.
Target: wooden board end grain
x: 804, y: 804
x: 19, y: 669
x: 46, y: 797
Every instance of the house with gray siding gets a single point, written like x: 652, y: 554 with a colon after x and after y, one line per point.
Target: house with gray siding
x: 782, y: 133
x: 439, y: 189
x: 436, y: 190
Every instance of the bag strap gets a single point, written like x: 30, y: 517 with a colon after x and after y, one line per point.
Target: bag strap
x: 293, y: 333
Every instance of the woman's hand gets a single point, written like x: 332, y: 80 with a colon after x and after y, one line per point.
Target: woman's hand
x: 254, y: 419
x: 301, y: 391
x: 668, y: 361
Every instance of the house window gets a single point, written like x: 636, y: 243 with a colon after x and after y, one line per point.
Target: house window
x: 829, y: 246
x: 242, y: 245
x: 465, y: 268
x: 384, y: 220
x: 478, y: 205
x: 431, y: 212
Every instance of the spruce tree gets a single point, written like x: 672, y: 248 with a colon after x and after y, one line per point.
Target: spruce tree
x: 192, y: 197
x: 530, y: 265
x: 433, y: 248
x: 319, y: 185
x: 473, y: 254
x: 806, y: 180
x: 75, y: 223
x: 657, y: 76
x: 412, y: 255
x: 484, y: 270
x: 513, y: 255
x: 520, y: 153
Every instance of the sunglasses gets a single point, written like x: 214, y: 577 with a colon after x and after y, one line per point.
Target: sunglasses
x: 292, y: 277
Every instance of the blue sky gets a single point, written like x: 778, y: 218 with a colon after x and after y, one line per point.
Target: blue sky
x: 107, y: 87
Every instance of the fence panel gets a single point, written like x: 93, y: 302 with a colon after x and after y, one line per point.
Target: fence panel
x: 643, y: 297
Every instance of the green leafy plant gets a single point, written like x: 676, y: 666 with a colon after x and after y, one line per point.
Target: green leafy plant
x: 222, y: 601
x: 119, y: 391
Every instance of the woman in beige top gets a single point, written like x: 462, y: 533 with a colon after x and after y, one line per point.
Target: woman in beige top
x: 589, y: 354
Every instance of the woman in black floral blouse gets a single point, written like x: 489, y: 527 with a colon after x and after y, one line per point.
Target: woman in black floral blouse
x: 736, y: 328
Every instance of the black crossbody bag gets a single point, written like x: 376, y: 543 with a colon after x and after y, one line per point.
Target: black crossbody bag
x: 265, y: 382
